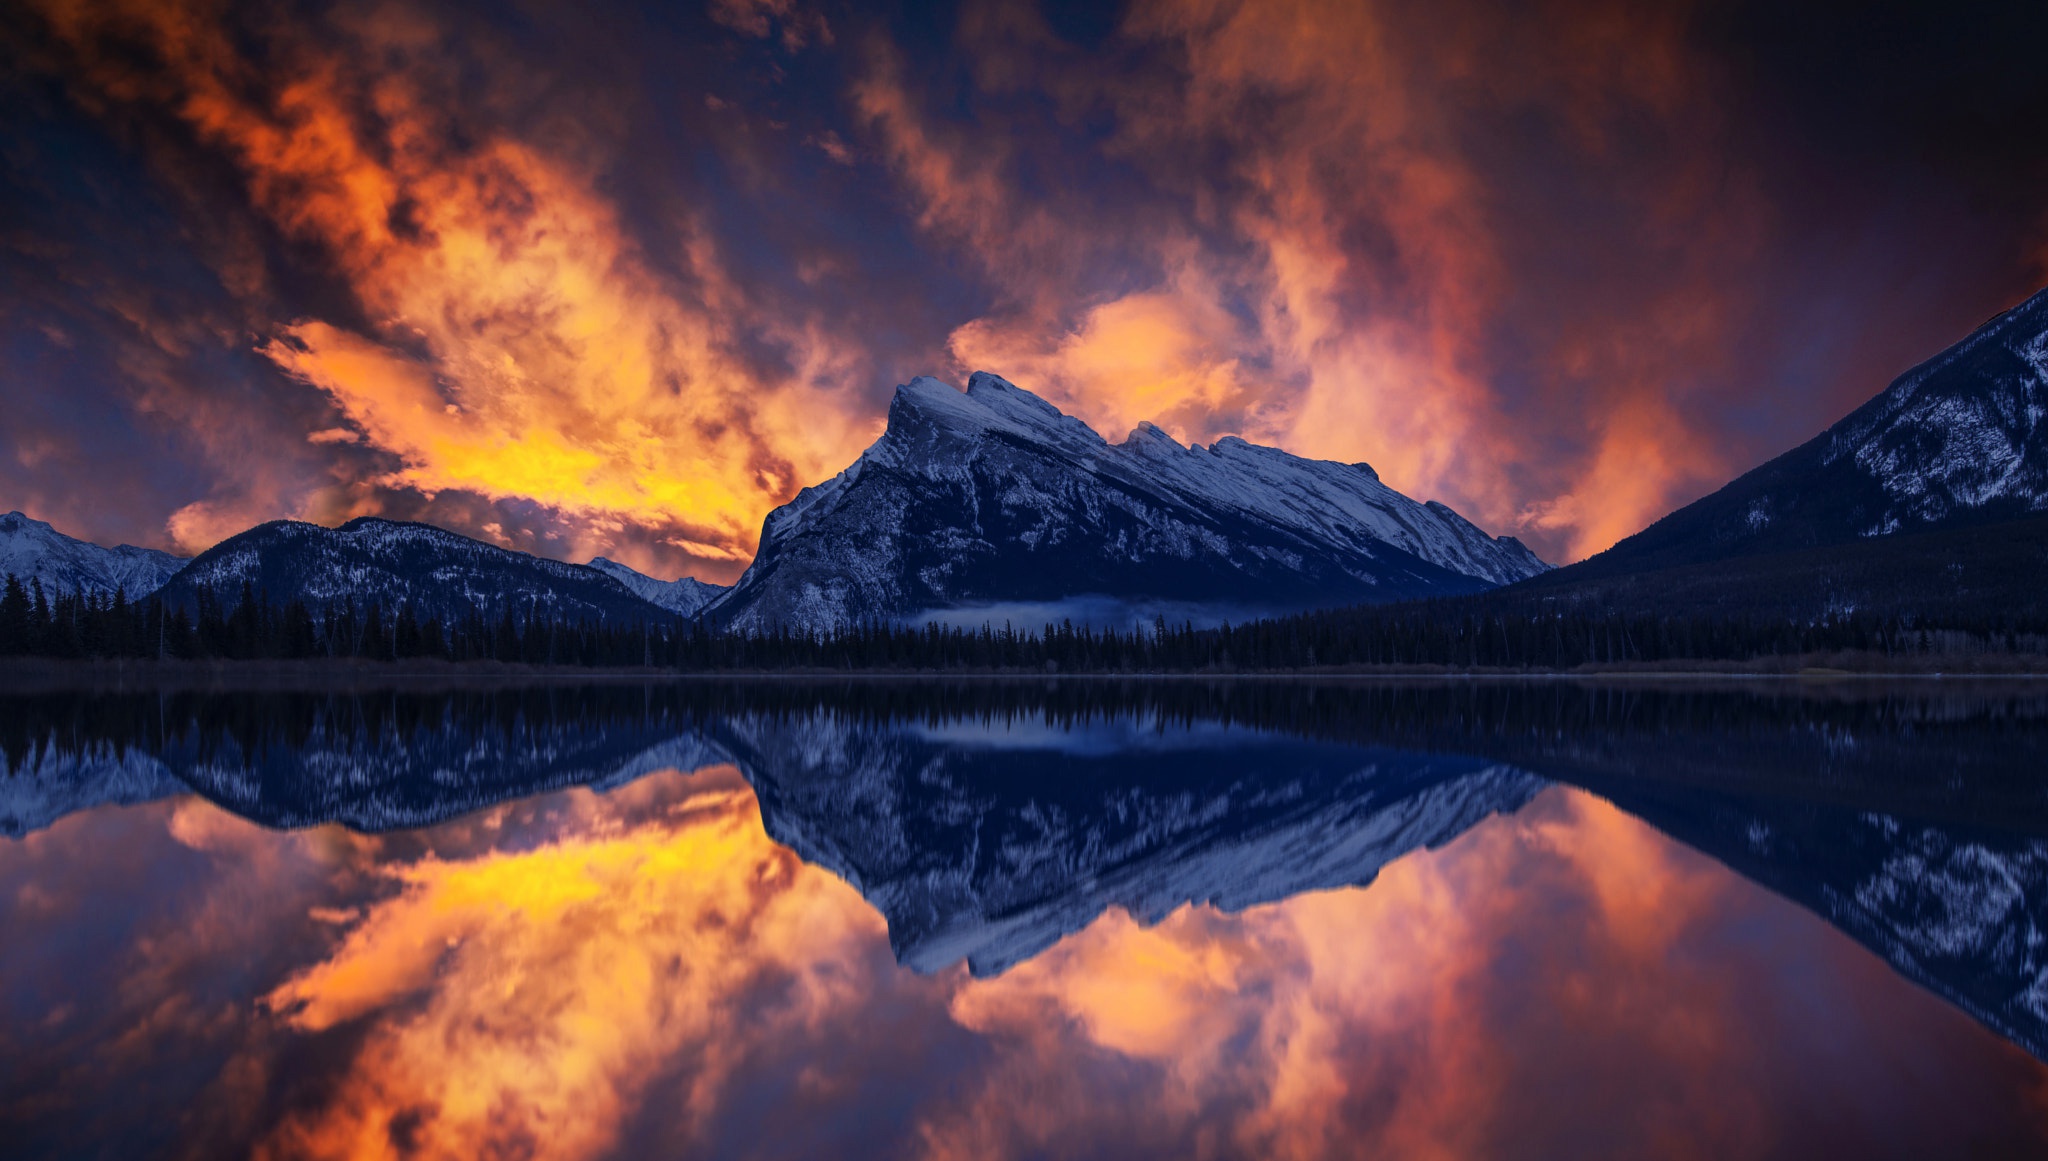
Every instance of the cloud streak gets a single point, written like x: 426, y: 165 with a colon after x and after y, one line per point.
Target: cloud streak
x: 512, y: 343
x: 623, y: 283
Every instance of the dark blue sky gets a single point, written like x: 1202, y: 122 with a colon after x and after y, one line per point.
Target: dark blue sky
x: 615, y: 279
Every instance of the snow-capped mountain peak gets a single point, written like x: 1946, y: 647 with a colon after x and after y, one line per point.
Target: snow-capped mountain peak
x: 397, y: 564
x: 31, y: 549
x: 1960, y: 440
x: 927, y: 412
x: 1966, y: 430
x: 991, y: 496
x: 684, y: 596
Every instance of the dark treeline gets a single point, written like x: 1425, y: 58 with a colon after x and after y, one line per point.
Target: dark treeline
x: 1425, y: 713
x: 1453, y: 634
x: 36, y: 623
x: 1446, y: 634
x: 1882, y: 738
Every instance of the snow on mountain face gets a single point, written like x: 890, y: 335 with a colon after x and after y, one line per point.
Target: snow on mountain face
x: 33, y: 549
x: 973, y: 848
x: 1960, y: 439
x: 1961, y: 910
x: 437, y: 572
x: 993, y: 496
x: 49, y: 782
x: 683, y: 597
x: 340, y: 773
x: 1965, y: 431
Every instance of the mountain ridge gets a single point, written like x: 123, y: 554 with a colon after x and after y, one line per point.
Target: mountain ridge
x: 1960, y: 439
x: 992, y: 494
x: 437, y: 572
x: 32, y: 549
x: 684, y: 596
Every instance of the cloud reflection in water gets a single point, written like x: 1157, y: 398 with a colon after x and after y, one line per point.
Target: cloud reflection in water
x: 645, y: 972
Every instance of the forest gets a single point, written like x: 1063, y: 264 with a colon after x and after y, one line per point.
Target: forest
x: 1449, y: 634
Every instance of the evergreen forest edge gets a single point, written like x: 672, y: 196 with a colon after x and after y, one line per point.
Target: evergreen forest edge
x: 1488, y: 632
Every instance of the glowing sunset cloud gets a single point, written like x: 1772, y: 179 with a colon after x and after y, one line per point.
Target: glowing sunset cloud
x: 517, y: 346
x: 623, y: 280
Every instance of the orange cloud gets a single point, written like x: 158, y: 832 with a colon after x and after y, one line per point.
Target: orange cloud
x: 1303, y: 221
x: 1163, y: 357
x: 521, y: 346
x: 1645, y: 461
x: 1335, y: 283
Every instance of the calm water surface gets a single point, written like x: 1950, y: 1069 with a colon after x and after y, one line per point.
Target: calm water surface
x: 1260, y: 919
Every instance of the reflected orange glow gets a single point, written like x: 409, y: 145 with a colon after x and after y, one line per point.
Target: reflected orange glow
x: 643, y: 971
x: 524, y: 1000
x: 1385, y: 1003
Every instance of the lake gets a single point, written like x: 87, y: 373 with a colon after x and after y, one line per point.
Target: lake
x: 1074, y: 918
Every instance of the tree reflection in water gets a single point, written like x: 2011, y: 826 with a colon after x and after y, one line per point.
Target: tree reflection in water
x: 1159, y: 891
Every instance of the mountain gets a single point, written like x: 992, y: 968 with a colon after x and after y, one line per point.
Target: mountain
x: 1962, y: 911
x: 439, y: 573
x: 991, y: 503
x: 437, y: 770
x: 33, y: 549
x: 1933, y: 493
x: 990, y: 843
x: 47, y: 781
x: 987, y: 822
x: 683, y: 597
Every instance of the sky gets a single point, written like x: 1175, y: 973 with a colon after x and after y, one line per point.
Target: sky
x: 619, y: 279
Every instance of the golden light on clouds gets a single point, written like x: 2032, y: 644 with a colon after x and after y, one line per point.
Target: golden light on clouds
x: 1347, y: 311
x: 521, y: 346
x: 523, y: 1001
x: 1505, y: 254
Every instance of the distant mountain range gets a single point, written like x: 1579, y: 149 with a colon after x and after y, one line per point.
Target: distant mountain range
x: 436, y: 573
x: 685, y: 597
x: 31, y: 549
x: 992, y: 505
x: 987, y: 505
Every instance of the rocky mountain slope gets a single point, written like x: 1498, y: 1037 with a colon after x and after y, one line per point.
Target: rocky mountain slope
x: 437, y: 572
x: 31, y: 549
x: 1960, y: 440
x: 991, y: 843
x: 683, y: 597
x: 993, y: 498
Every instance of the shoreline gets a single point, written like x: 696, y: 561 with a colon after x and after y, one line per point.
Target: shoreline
x: 32, y: 675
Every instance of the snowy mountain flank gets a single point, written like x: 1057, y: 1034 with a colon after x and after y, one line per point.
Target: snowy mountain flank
x: 989, y: 844
x: 1960, y: 440
x: 438, y: 573
x: 988, y: 504
x: 31, y: 549
x: 684, y: 597
x: 992, y: 497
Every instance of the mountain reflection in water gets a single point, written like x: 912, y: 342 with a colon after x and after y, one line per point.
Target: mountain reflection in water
x: 1441, y: 919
